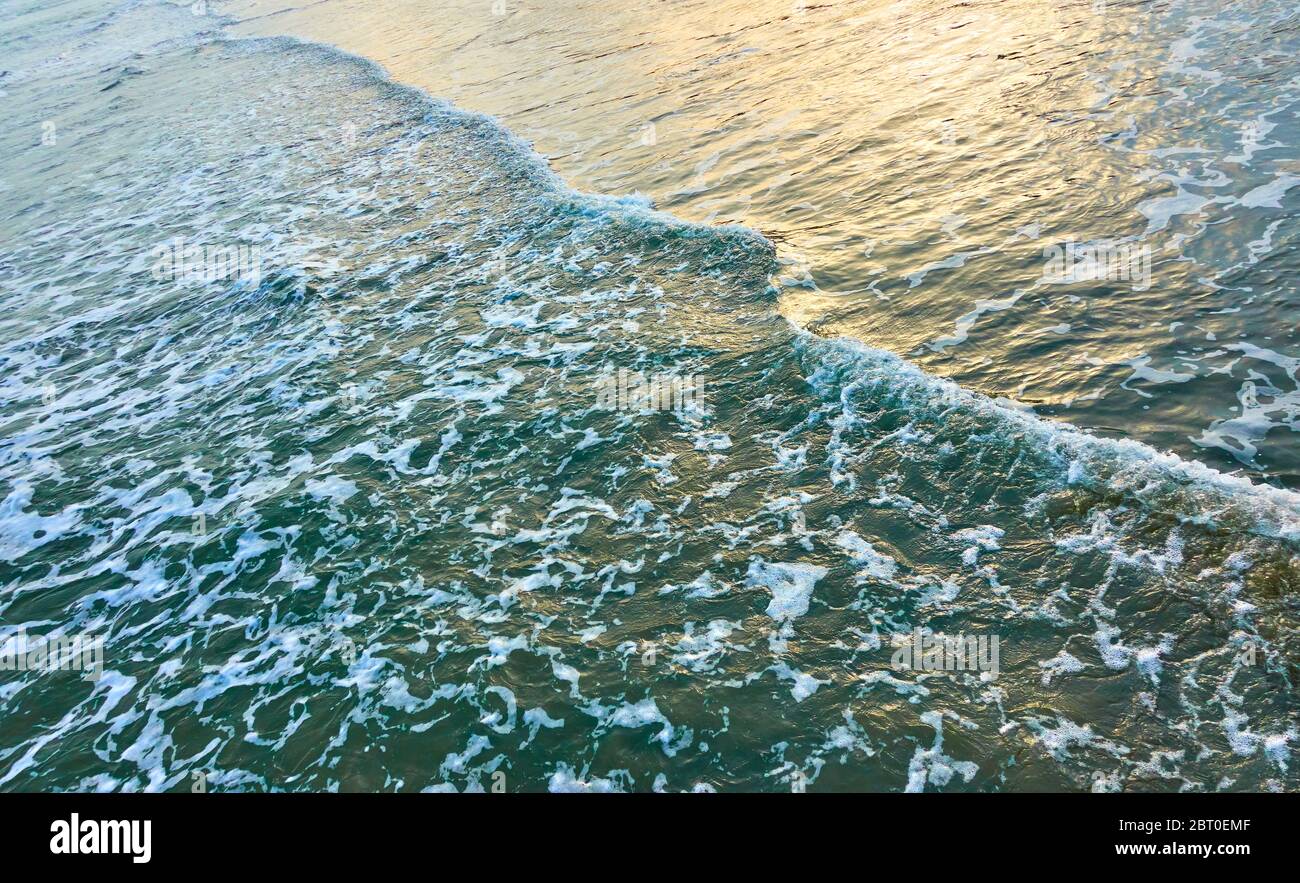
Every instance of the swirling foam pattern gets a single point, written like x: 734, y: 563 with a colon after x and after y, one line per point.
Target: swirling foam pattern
x: 358, y: 521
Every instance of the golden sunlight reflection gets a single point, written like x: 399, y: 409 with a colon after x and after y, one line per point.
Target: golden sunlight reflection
x: 910, y: 160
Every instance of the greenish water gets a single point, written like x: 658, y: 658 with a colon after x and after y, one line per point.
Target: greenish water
x: 349, y: 511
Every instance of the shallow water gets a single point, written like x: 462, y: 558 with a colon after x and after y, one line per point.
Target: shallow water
x: 913, y: 161
x: 356, y: 516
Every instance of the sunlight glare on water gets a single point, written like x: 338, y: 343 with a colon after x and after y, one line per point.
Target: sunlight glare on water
x: 914, y: 160
x: 633, y: 396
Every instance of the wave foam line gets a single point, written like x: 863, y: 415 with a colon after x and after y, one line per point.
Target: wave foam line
x: 1189, y: 490
x: 1090, y: 461
x: 635, y: 207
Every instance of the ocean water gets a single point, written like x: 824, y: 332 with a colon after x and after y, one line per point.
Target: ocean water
x: 319, y: 401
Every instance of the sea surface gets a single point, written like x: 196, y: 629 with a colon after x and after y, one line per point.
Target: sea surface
x: 326, y: 328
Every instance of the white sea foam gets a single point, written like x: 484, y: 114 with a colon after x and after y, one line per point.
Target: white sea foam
x: 1073, y: 456
x: 791, y: 586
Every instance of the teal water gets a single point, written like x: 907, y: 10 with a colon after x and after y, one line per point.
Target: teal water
x: 355, y: 517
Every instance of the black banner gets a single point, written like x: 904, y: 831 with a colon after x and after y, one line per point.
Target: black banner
x: 141, y: 833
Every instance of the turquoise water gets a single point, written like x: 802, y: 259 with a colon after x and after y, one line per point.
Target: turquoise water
x: 350, y: 513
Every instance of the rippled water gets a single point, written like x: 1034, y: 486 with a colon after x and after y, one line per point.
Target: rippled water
x: 913, y: 160
x: 355, y: 516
